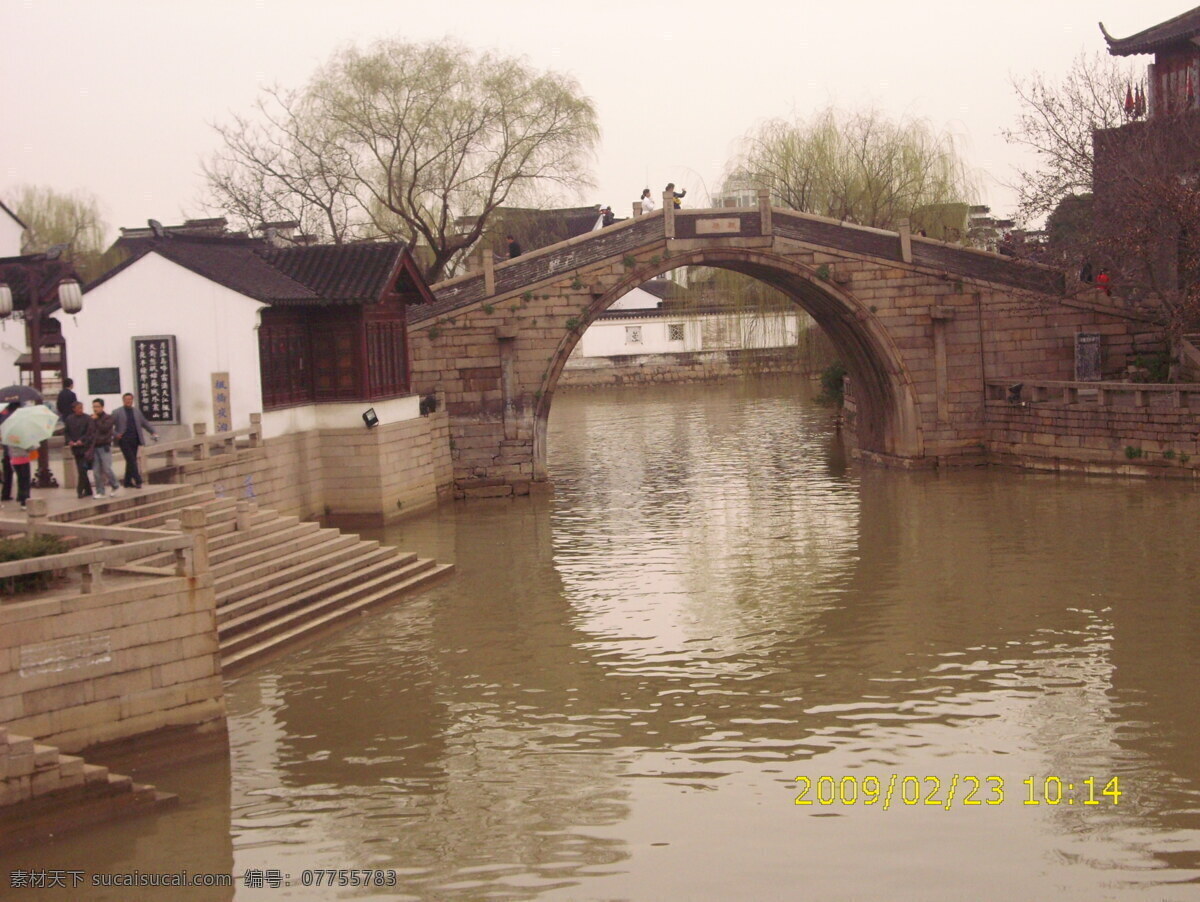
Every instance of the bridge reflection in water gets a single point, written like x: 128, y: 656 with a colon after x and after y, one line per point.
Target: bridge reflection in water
x: 613, y: 697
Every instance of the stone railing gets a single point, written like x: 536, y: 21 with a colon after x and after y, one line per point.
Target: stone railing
x: 1181, y: 396
x: 201, y: 444
x: 190, y: 547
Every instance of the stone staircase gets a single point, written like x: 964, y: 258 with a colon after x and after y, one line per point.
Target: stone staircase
x: 51, y: 792
x: 278, y: 580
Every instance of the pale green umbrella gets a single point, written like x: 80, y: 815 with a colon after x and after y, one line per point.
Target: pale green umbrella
x: 28, y: 427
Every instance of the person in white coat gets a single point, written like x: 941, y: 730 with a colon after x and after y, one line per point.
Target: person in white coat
x: 648, y: 205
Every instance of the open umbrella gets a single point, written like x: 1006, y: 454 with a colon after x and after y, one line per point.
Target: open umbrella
x: 22, y: 394
x: 28, y: 427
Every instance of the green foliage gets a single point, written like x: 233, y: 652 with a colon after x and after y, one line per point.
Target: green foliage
x: 23, y: 548
x: 433, y: 333
x: 629, y: 261
x: 573, y: 323
x: 1184, y: 457
x: 1153, y: 368
x: 72, y: 218
x: 832, y: 389
x: 488, y: 309
x: 576, y: 283
x: 655, y: 260
x: 823, y: 272
x: 407, y: 141
x: 527, y: 296
x: 1132, y: 453
x: 1169, y: 455
x: 860, y: 167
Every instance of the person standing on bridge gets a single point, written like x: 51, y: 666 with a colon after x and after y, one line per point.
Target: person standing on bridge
x: 676, y: 196
x: 514, y: 249
x: 648, y: 205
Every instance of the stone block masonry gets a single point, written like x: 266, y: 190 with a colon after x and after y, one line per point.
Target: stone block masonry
x: 86, y: 669
x: 354, y: 477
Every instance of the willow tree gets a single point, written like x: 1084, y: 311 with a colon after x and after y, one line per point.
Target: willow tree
x: 70, y: 218
x: 857, y: 167
x: 416, y: 142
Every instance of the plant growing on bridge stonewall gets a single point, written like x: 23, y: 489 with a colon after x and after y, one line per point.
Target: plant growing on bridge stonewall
x: 404, y: 141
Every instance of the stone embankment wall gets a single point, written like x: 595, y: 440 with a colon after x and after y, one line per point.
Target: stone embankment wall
x: 353, y: 477
x: 141, y: 655
x: 1132, y: 441
x: 694, y: 366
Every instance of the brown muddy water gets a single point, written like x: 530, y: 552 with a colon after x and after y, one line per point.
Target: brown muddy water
x: 615, y: 696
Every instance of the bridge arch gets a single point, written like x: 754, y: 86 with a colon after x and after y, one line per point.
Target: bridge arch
x: 889, y: 421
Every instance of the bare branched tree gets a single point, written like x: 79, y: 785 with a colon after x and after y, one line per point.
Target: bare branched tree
x: 408, y: 141
x: 858, y: 167
x: 57, y: 217
x: 1056, y: 122
x: 283, y: 164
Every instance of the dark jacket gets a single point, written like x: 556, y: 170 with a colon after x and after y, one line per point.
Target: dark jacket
x: 80, y: 431
x: 119, y: 420
x: 106, y: 430
x: 65, y: 402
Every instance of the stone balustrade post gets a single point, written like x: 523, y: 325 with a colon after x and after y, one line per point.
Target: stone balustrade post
x: 764, y: 212
x: 489, y: 273
x: 193, y: 520
x: 70, y: 474
x: 200, y: 431
x: 35, y: 510
x: 256, y: 432
x: 91, y: 577
x: 244, y: 511
x: 905, y: 229
x: 668, y: 214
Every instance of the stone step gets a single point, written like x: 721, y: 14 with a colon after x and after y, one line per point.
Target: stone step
x: 216, y: 512
x: 137, y: 513
x: 225, y: 534
x: 253, y: 543
x: 334, y: 567
x: 312, y: 564
x: 308, y: 625
x: 358, y: 575
x: 129, y: 498
x: 279, y: 564
x: 299, y: 538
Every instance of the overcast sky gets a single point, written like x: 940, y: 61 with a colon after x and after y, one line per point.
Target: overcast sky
x: 117, y: 97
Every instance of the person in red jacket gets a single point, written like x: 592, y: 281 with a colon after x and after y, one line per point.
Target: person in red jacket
x: 1102, y: 282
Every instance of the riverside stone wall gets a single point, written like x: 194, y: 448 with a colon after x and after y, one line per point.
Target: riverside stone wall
x: 353, y: 477
x: 1133, y: 441
x: 141, y: 655
x: 695, y: 366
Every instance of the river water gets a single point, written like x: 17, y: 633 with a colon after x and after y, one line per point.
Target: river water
x: 616, y: 694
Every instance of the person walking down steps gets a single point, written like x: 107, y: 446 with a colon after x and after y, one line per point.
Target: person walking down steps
x: 130, y: 425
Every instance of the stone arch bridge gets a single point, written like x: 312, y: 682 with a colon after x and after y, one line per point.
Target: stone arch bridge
x: 920, y: 324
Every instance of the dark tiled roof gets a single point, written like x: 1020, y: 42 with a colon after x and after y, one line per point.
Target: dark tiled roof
x: 316, y: 275
x: 345, y: 273
x: 1178, y: 30
x: 660, y: 288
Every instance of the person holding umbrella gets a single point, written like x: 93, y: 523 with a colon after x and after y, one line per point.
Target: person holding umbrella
x: 21, y: 432
x: 6, y: 486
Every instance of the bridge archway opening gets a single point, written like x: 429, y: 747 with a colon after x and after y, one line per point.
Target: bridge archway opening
x: 888, y: 416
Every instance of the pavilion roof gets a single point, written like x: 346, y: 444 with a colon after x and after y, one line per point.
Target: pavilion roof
x: 1179, y: 30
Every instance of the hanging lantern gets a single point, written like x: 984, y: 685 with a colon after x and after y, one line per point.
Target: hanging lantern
x: 70, y: 297
x: 6, y: 303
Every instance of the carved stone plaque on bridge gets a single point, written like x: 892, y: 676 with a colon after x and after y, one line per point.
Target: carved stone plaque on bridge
x: 1088, y: 357
x: 729, y: 225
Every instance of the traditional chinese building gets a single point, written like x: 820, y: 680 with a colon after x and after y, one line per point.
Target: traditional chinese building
x: 277, y: 327
x: 1144, y: 172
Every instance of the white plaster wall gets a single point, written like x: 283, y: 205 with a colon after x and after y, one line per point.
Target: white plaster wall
x: 214, y: 329
x: 10, y: 236
x: 338, y: 416
x: 608, y: 337
x: 635, y: 300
